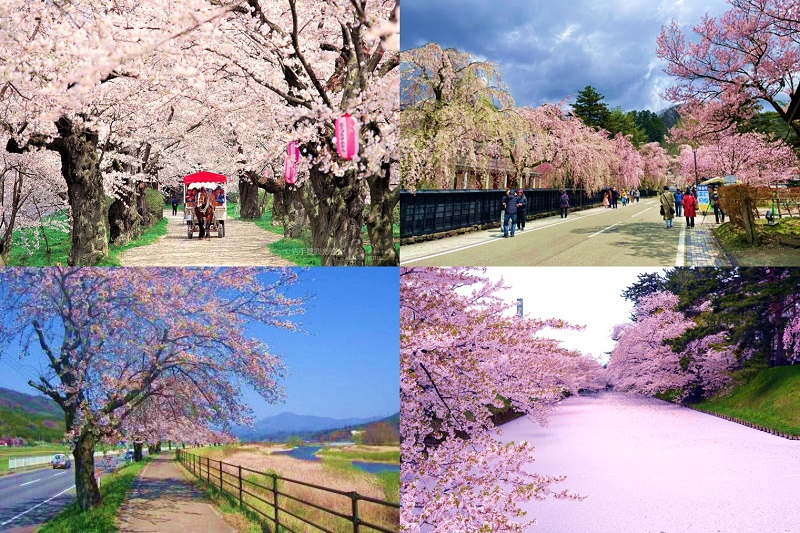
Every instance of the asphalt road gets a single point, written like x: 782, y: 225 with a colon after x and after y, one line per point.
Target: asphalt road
x: 32, y: 497
x: 627, y: 236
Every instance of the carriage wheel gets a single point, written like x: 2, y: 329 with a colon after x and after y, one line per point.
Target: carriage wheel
x: 221, y: 229
x: 189, y: 230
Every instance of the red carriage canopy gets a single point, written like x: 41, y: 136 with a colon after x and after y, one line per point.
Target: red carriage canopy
x: 204, y: 176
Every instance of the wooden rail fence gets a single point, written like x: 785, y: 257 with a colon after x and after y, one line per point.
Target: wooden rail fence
x: 250, y: 487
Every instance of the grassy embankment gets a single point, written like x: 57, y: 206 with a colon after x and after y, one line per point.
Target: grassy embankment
x: 770, y: 399
x: 113, y: 489
x: 60, y: 244
x: 769, y: 249
x: 333, y: 473
x: 27, y: 451
x: 297, y: 250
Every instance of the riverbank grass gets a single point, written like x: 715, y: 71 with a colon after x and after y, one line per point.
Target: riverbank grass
x: 113, y: 489
x: 770, y: 399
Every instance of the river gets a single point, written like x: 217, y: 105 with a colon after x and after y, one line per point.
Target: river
x: 308, y: 453
x: 650, y: 466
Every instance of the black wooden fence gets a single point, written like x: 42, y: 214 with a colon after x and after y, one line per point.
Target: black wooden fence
x: 434, y: 211
x: 276, y: 499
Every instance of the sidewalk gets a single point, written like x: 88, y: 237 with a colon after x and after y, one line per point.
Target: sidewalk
x: 162, y: 500
x: 702, y: 249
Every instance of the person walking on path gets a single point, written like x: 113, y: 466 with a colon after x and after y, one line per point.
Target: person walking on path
x: 510, y: 204
x: 605, y: 200
x: 719, y: 214
x: 503, y: 206
x: 174, y: 205
x: 637, y: 194
x: 521, y: 210
x: 564, y: 203
x: 679, y: 202
x: 614, y: 197
x: 667, y: 206
x: 690, y: 207
x: 163, y: 500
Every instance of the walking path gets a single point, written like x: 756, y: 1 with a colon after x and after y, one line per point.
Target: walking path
x: 162, y: 500
x: 630, y: 236
x: 244, y: 244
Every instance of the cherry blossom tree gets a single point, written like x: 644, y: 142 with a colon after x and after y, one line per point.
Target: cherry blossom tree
x: 645, y: 361
x: 731, y: 63
x: 114, y: 339
x: 463, y: 358
x: 655, y: 165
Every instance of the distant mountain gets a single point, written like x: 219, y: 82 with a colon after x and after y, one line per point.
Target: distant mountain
x: 669, y: 116
x: 30, y: 417
x: 285, y: 425
x: 344, y: 433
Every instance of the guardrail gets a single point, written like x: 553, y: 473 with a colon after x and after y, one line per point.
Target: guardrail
x: 22, y: 462
x: 249, y: 486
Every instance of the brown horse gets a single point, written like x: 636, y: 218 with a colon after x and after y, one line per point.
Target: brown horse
x: 204, y: 211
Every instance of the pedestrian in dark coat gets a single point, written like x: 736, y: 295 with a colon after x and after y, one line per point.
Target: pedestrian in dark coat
x: 564, y: 204
x: 521, y: 209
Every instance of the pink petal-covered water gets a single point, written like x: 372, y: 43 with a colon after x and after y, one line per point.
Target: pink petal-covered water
x: 651, y: 466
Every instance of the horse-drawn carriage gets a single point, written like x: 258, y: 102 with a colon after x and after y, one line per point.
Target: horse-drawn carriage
x: 204, y: 200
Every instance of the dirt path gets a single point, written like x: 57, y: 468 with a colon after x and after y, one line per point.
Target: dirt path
x: 244, y: 244
x: 161, y: 500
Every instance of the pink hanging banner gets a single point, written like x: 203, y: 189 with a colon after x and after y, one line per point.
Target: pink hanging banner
x: 346, y: 133
x: 290, y: 163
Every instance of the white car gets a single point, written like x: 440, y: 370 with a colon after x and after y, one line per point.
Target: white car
x: 61, y: 460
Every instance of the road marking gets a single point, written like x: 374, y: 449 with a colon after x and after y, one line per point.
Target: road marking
x: 60, y: 473
x: 679, y: 257
x: 37, y: 505
x: 603, y: 230
x: 563, y: 221
x: 29, y: 482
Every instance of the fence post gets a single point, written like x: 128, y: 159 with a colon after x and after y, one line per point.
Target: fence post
x: 208, y: 471
x: 275, y: 499
x: 240, y: 486
x: 220, y: 476
x: 354, y: 498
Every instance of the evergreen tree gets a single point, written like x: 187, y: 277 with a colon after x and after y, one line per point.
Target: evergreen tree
x: 591, y: 109
x: 652, y: 125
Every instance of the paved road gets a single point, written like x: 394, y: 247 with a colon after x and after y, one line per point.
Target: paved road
x: 33, y: 497
x: 627, y: 236
x: 649, y: 466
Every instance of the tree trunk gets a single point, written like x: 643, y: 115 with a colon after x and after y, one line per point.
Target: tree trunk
x: 125, y: 223
x: 336, y: 211
x: 137, y: 451
x: 142, y: 208
x: 294, y: 217
x: 78, y: 149
x: 749, y: 220
x: 88, y: 492
x: 381, y: 218
x: 248, y: 197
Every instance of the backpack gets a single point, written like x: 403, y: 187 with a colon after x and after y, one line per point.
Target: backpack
x: 564, y: 199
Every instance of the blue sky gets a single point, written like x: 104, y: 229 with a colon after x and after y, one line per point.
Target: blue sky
x: 549, y: 50
x: 344, y: 364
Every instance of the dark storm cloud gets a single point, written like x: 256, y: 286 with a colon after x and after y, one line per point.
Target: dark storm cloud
x: 549, y: 50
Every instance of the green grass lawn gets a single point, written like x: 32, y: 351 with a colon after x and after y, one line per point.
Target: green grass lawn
x: 60, y: 245
x: 770, y: 399
x: 768, y: 251
x: 113, y: 489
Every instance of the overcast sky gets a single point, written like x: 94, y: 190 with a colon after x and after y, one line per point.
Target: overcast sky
x: 585, y: 296
x: 549, y: 50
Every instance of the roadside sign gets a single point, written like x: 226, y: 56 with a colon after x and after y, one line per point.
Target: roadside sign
x: 702, y: 197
